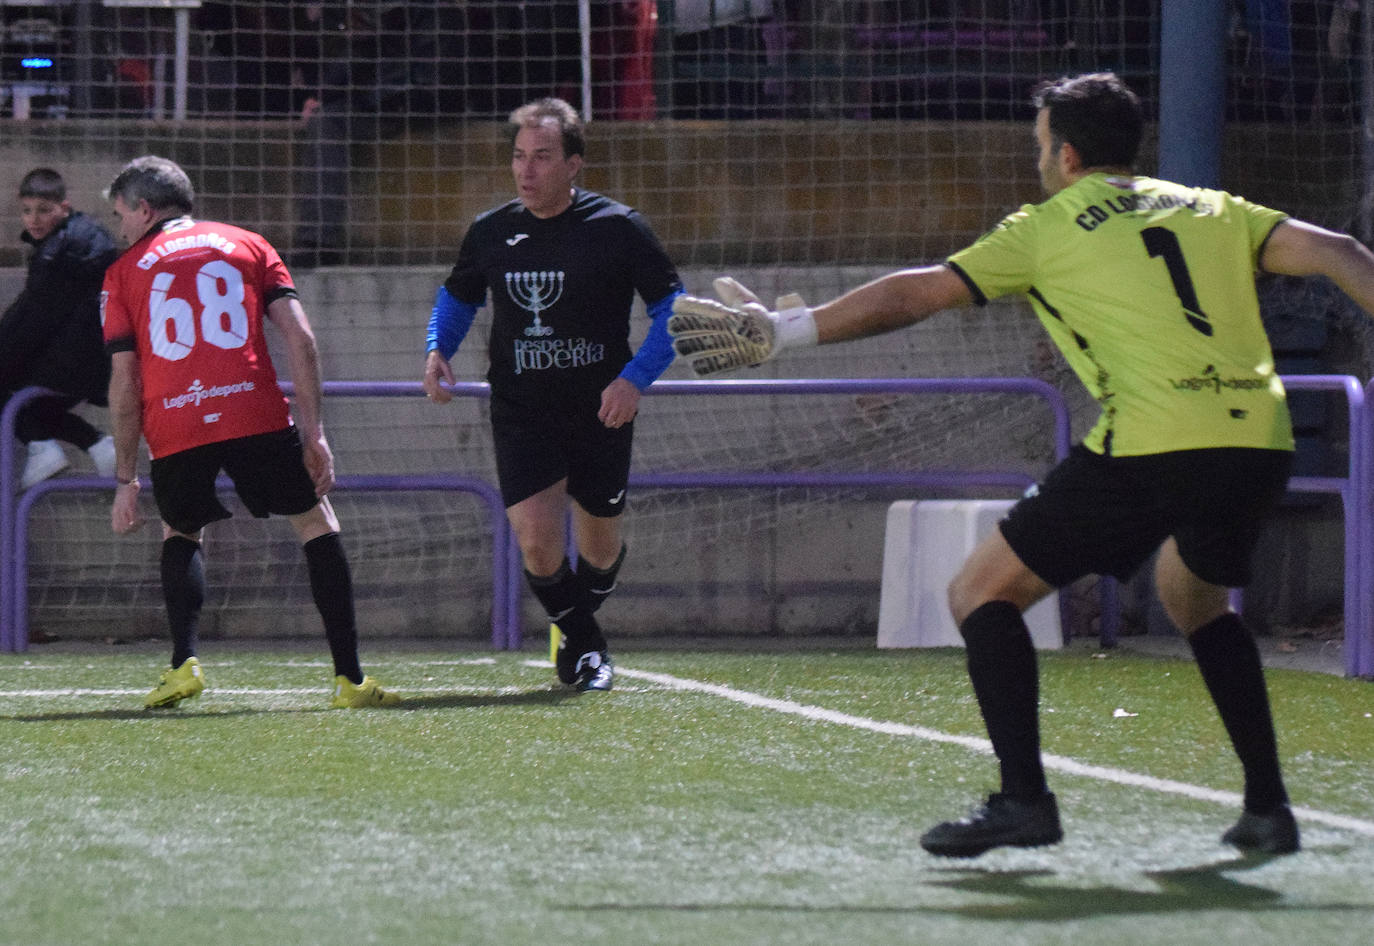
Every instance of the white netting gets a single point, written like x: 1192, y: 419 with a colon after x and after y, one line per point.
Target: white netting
x: 806, y: 145
x: 421, y: 561
x: 856, y: 132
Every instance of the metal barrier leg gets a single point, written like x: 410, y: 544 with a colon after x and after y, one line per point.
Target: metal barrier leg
x: 17, y: 602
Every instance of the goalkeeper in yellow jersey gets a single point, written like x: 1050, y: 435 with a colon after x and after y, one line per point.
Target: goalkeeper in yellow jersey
x: 1148, y: 288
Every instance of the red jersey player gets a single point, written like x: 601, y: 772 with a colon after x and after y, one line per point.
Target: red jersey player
x: 183, y: 311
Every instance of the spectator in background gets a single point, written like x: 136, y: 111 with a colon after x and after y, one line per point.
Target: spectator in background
x: 250, y: 51
x: 50, y: 334
x: 334, y: 38
x: 708, y: 35
x: 1340, y: 95
x: 521, y: 51
x: 373, y: 72
x: 833, y: 86
x: 623, y: 34
x: 1291, y: 67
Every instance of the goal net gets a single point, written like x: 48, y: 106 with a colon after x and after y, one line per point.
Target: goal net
x: 807, y: 145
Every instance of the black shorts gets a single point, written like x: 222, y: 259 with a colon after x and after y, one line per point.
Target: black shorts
x: 1102, y: 515
x: 268, y: 471
x: 535, y: 449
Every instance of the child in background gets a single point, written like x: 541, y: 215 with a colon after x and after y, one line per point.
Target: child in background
x: 50, y: 335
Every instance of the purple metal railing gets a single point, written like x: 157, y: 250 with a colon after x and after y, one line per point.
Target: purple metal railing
x: 16, y: 636
x: 838, y: 479
x: 14, y: 515
x: 1354, y: 488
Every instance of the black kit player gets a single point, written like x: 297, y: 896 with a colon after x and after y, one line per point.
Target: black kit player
x: 1148, y: 289
x: 562, y: 266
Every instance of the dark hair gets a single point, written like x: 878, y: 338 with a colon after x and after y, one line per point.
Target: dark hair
x: 44, y: 184
x: 1097, y: 114
x: 569, y: 122
x: 162, y: 183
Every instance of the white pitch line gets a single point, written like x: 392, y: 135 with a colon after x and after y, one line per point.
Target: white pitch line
x: 819, y: 714
x: 214, y: 691
x: 316, y: 664
x: 1054, y: 762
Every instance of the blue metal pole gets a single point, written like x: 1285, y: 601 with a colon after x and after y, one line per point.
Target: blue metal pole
x: 1192, y: 89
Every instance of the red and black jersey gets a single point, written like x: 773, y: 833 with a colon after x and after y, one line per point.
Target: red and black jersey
x: 189, y: 298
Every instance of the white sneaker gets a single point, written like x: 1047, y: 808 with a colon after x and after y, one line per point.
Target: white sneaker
x: 102, y: 454
x: 45, y: 459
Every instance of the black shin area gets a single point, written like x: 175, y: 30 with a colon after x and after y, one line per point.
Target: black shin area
x: 563, y: 598
x: 598, y: 583
x: 557, y: 593
x: 331, y: 585
x: 183, y: 592
x: 1002, y: 669
x: 1230, y: 666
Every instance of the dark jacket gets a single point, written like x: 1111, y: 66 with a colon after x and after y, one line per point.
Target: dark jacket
x: 50, y: 335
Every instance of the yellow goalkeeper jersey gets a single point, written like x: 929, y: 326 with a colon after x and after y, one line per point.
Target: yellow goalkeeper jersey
x: 1148, y: 288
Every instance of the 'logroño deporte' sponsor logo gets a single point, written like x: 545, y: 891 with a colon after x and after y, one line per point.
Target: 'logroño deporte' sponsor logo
x: 1211, y: 380
x: 197, y: 393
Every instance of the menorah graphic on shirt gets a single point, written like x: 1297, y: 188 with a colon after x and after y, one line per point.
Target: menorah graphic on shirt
x: 535, y: 292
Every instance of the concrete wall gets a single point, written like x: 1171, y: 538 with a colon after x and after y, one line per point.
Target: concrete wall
x: 838, y: 202
x: 718, y: 193
x: 703, y: 563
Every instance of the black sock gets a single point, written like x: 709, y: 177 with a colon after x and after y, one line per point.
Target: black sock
x: 1230, y: 665
x: 598, y: 583
x: 564, y: 600
x: 1002, y: 669
x: 183, y: 591
x: 331, y: 585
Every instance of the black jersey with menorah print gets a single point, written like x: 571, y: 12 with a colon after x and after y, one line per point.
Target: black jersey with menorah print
x: 561, y: 291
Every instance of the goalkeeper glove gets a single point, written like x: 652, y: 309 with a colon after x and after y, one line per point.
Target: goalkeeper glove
x: 715, y: 337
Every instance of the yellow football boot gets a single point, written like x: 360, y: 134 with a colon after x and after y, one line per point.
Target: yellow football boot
x: 350, y: 695
x: 180, y: 683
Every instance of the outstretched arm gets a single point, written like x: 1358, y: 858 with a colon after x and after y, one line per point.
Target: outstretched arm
x: 716, y: 337
x: 890, y: 302
x: 1296, y: 248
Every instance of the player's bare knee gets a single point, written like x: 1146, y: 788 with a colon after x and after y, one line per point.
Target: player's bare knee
x: 541, y: 557
x: 317, y: 521
x: 1190, y: 615
x: 1188, y: 601
x: 963, y: 598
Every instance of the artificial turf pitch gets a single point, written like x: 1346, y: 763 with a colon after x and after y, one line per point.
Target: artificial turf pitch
x: 710, y: 798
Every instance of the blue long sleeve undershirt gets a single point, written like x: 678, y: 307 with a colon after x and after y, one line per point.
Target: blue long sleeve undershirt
x: 449, y: 322
x: 656, y: 353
